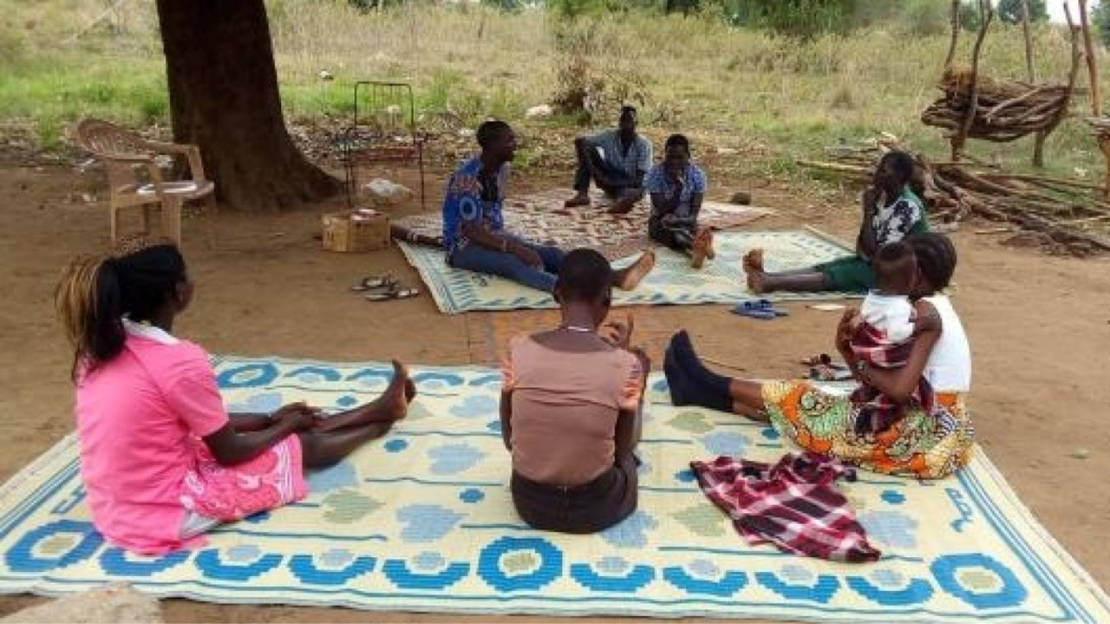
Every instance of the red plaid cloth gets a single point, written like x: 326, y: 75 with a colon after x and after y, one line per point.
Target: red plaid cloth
x: 876, y: 411
x: 794, y: 504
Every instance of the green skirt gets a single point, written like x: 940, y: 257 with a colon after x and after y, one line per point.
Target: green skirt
x: 848, y: 274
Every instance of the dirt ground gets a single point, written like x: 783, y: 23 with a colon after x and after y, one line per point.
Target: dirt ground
x: 1039, y: 327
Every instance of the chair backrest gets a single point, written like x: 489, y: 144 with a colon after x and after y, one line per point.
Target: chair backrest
x: 109, y: 141
x: 111, y: 144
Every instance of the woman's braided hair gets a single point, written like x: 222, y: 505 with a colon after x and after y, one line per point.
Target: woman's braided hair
x: 936, y: 257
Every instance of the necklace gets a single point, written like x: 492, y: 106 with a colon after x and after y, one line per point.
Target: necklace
x: 576, y: 328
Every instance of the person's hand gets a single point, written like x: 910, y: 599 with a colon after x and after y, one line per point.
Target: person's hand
x: 618, y: 333
x: 846, y: 330
x: 873, y: 199
x: 528, y: 256
x: 870, y: 196
x: 669, y: 219
x: 301, y: 415
x: 642, y: 356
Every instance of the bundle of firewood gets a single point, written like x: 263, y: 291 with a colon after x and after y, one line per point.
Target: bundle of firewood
x: 1067, y: 211
x: 1004, y: 110
x: 1100, y: 127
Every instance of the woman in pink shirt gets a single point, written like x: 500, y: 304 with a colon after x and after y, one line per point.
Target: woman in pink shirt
x: 162, y: 460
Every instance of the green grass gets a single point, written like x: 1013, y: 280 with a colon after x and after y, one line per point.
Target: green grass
x: 721, y: 85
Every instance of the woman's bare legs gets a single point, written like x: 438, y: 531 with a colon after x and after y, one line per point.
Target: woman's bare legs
x: 694, y: 384
x: 320, y: 450
x: 745, y: 394
x: 336, y: 437
x: 799, y: 280
x: 390, y: 406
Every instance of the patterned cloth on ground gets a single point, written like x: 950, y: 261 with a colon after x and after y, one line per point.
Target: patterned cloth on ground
x: 541, y: 218
x: 423, y: 520
x: 793, y: 504
x: 671, y: 282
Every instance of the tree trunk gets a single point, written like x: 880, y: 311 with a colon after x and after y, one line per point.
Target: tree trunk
x: 1092, y: 60
x: 224, y: 98
x: 1026, y: 28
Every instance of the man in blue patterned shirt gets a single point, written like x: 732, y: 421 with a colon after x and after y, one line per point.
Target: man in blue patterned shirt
x: 474, y: 236
x: 616, y: 161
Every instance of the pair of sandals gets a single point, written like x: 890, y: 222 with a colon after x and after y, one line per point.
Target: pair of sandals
x: 384, y: 288
x: 761, y: 309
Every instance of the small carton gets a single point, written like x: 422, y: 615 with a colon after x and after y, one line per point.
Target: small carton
x: 355, y: 231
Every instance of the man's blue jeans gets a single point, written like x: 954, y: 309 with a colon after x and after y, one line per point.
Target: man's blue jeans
x: 479, y: 259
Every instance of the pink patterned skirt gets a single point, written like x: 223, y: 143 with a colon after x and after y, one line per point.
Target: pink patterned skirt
x: 229, y: 493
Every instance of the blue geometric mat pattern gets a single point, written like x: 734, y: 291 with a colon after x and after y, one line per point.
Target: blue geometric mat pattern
x: 672, y: 282
x: 421, y: 520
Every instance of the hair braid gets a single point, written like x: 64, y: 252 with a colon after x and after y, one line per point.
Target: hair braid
x: 88, y: 302
x: 936, y: 257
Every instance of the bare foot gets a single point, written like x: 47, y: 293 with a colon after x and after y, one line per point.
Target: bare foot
x: 755, y: 280
x: 753, y: 268
x: 410, y: 389
x: 754, y: 260
x: 391, y: 406
x: 703, y: 242
x: 630, y: 278
x: 394, y: 402
x: 581, y: 199
x: 710, y: 252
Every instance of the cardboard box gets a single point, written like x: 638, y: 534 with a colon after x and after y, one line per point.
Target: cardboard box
x: 355, y: 231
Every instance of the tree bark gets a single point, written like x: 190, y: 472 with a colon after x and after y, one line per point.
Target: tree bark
x: 224, y: 98
x: 1092, y: 60
x: 955, y: 34
x: 1026, y: 27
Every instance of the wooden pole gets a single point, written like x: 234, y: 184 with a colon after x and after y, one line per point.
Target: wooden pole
x: 1092, y: 62
x: 955, y: 34
x: 1073, y: 72
x: 1038, y: 137
x: 1103, y: 139
x: 958, y: 140
x: 1028, y: 42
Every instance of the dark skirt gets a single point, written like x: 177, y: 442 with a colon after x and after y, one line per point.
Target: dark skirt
x: 586, y: 508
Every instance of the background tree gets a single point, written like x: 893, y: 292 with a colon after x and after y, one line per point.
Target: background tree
x: 224, y: 98
x: 970, y: 19
x: 797, y: 18
x: 1009, y: 11
x: 1100, y: 19
x: 686, y: 6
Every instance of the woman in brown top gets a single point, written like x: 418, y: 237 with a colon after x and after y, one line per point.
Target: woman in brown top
x: 570, y: 409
